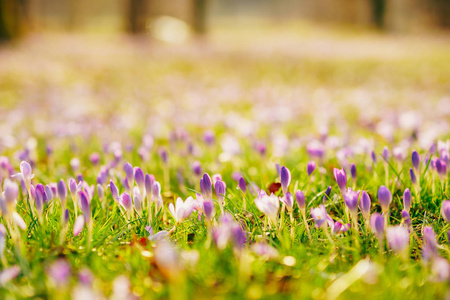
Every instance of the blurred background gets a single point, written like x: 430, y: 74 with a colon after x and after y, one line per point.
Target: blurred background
x: 21, y: 17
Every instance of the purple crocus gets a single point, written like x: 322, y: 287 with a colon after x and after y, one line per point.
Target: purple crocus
x: 310, y: 167
x: 445, y: 210
x: 242, y: 185
x: 326, y: 195
x: 62, y: 192
x: 269, y: 205
x: 139, y: 179
x: 365, y: 204
x: 341, y: 178
x: 126, y: 201
x: 373, y: 156
x: 85, y: 207
x: 220, y: 188
x: 182, y: 209
x: 412, y: 175
x: 415, y: 158
x: 59, y: 272
x: 398, y: 239
x: 353, y: 171
x: 430, y: 245
x: 196, y: 168
x: 407, y: 200
x: 288, y: 200
x: 351, y: 201
x: 206, y: 186
x: 377, y: 225
x: 406, y: 218
x: 300, y: 198
x: 285, y: 178
x: 114, y: 190
x: 385, y: 153
x: 148, y: 182
x: 72, y: 187
x: 385, y: 198
x: 441, y: 167
x: 319, y: 215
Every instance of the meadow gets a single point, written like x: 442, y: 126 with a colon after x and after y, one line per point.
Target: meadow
x: 266, y: 163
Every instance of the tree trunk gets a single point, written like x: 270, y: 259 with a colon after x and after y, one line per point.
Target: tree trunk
x: 137, y: 15
x: 199, y: 16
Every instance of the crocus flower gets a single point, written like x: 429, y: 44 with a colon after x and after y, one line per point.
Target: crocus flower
x: 8, y: 274
x: 430, y: 245
x: 300, y: 198
x: 285, y: 177
x: 353, y: 171
x: 377, y: 225
x: 412, y: 175
x: 407, y: 200
x: 196, y: 168
x: 10, y: 194
x: 415, y: 158
x: 441, y: 167
x: 373, y: 156
x: 385, y: 198
x: 406, y: 218
x: 445, y: 210
x: 269, y: 205
x: 208, y: 209
x: 242, y: 185
x: 114, y: 190
x: 25, y: 174
x: 288, y: 200
x: 220, y: 188
x: 351, y: 201
x: 206, y: 186
x: 326, y: 195
x: 264, y: 250
x: 157, y: 198
x: 149, y: 180
x: 341, y: 178
x: 168, y: 260
x: 319, y: 215
x: 365, y: 204
x: 139, y: 179
x: 100, y: 191
x: 159, y: 236
x: 72, y: 186
x: 398, y: 239
x: 126, y: 201
x: 85, y: 207
x: 59, y: 272
x: 181, y: 210
x: 62, y: 192
x: 310, y: 167
x: 385, y: 153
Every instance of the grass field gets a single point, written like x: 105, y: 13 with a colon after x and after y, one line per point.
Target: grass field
x: 222, y: 123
